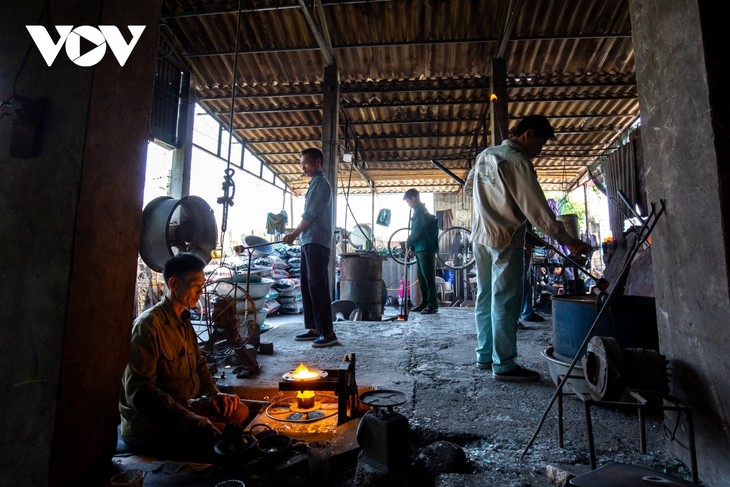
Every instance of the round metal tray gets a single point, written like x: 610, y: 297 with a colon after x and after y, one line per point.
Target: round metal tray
x: 383, y: 398
x: 288, y: 376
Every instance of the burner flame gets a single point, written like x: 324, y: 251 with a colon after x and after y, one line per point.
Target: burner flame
x: 305, y: 394
x: 303, y: 373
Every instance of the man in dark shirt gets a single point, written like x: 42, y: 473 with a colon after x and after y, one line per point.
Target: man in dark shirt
x: 169, y: 401
x: 423, y: 240
x: 316, y: 236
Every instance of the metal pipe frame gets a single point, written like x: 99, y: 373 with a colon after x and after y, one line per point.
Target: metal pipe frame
x: 341, y: 381
x: 641, y: 406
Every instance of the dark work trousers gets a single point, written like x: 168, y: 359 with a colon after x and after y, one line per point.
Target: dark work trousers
x: 316, y: 289
x: 426, y: 262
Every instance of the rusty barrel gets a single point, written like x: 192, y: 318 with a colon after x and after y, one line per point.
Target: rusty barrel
x: 361, y: 281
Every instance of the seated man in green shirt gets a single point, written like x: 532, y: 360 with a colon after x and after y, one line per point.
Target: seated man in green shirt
x: 169, y: 401
x: 423, y: 240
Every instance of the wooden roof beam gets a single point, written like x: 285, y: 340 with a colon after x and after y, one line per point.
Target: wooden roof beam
x: 352, y: 104
x: 415, y: 135
x: 402, y: 160
x: 426, y: 86
x: 419, y: 148
x: 279, y: 5
x: 479, y: 119
x: 320, y: 32
x: 427, y: 121
x: 509, y: 22
x: 422, y: 42
x: 579, y: 97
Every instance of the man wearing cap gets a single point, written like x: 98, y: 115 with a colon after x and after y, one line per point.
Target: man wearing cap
x: 506, y: 194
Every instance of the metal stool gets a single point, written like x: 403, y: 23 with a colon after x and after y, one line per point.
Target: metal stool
x: 641, y: 404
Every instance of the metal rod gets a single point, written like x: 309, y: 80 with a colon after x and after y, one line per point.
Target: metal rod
x: 352, y: 387
x: 447, y: 171
x: 589, y: 433
x: 619, y: 207
x: 630, y: 206
x: 569, y: 259
x: 403, y: 316
x: 642, y: 430
x: 254, y: 402
x: 262, y: 244
x: 560, y: 418
x: 585, y: 204
x: 692, y: 446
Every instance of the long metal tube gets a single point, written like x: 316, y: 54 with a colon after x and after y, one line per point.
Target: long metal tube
x: 403, y: 316
x: 447, y: 171
x: 566, y: 257
x: 630, y: 206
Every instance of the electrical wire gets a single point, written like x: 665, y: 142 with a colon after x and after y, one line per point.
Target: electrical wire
x: 349, y: 208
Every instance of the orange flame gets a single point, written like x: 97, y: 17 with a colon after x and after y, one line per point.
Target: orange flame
x: 305, y: 394
x: 303, y: 373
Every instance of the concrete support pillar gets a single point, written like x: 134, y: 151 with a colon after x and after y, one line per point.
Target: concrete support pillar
x: 682, y: 76
x: 498, y: 115
x: 330, y: 146
x: 182, y: 157
x: 70, y: 225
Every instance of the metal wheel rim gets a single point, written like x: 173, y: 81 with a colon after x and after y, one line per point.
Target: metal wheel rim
x: 399, y: 260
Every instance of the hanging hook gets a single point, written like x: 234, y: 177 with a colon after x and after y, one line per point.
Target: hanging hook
x: 229, y: 191
x: 227, y: 199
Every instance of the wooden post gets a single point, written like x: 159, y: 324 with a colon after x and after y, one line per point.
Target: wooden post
x: 498, y: 120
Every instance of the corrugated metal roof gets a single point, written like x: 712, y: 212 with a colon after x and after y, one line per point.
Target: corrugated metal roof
x: 414, y: 81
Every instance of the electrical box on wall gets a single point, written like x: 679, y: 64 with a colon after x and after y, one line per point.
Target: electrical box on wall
x: 25, y: 136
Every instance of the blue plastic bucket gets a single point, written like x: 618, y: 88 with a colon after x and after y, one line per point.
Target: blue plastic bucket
x: 631, y: 320
x: 449, y: 276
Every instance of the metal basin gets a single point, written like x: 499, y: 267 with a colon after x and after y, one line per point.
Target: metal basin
x: 558, y: 368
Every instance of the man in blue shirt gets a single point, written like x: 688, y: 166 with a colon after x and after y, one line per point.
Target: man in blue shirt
x: 316, y: 237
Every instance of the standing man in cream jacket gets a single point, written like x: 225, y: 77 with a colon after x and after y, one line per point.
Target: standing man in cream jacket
x: 506, y: 194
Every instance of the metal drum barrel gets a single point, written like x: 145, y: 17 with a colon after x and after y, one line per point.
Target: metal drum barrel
x: 361, y: 281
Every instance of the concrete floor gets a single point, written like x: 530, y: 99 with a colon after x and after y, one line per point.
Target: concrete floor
x: 430, y: 358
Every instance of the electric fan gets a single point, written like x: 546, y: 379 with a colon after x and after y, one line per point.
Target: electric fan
x: 171, y: 226
x: 361, y: 236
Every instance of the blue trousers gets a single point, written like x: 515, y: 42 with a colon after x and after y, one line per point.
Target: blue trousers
x: 527, y: 309
x: 498, y: 304
x: 316, y: 299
